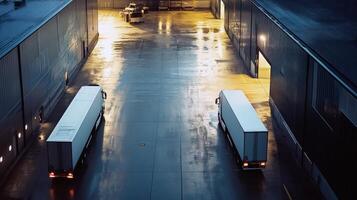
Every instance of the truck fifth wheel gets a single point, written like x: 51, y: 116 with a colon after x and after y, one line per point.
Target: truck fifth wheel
x: 245, y: 130
x: 70, y: 138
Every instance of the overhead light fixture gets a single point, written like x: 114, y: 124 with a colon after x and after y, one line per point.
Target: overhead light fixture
x: 41, y: 137
x: 263, y: 38
x: 70, y: 175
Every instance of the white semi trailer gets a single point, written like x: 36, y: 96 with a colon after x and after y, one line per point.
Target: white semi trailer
x: 70, y: 138
x: 245, y: 130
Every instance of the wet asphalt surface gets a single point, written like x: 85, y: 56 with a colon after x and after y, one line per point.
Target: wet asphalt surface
x: 160, y: 138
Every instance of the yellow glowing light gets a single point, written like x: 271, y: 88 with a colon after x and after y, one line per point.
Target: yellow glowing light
x: 245, y: 164
x: 41, y: 137
x: 70, y: 175
x: 263, y: 38
x: 160, y: 27
x: 168, y: 27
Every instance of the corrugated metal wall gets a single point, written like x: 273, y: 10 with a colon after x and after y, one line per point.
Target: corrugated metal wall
x: 10, y: 110
x: 92, y: 20
x: 81, y: 15
x: 288, y: 71
x: 72, y: 41
x: 318, y: 110
x: 55, y: 50
x: 252, y: 31
x: 234, y: 19
x: 38, y: 54
x: 330, y: 139
x: 245, y: 32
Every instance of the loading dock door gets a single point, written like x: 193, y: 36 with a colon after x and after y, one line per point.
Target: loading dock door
x: 264, y: 67
x: 222, y: 10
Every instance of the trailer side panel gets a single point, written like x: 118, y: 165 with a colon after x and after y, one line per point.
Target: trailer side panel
x: 234, y: 128
x: 86, y: 128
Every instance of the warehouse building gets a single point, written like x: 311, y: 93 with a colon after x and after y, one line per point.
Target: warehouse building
x: 305, y: 49
x: 47, y: 45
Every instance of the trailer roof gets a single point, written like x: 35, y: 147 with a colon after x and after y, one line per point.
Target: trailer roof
x: 244, y: 111
x: 328, y: 27
x: 18, y: 24
x: 72, y: 119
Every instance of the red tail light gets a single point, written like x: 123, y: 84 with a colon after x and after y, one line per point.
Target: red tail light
x: 52, y: 175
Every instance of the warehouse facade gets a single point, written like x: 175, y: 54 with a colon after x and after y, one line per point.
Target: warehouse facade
x: 312, y: 97
x: 41, y: 52
x: 157, y: 4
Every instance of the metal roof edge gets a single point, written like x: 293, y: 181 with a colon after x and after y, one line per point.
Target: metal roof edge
x: 12, y: 45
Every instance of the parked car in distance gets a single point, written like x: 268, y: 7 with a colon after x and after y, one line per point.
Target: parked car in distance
x: 133, y: 13
x: 131, y: 7
x: 136, y: 16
